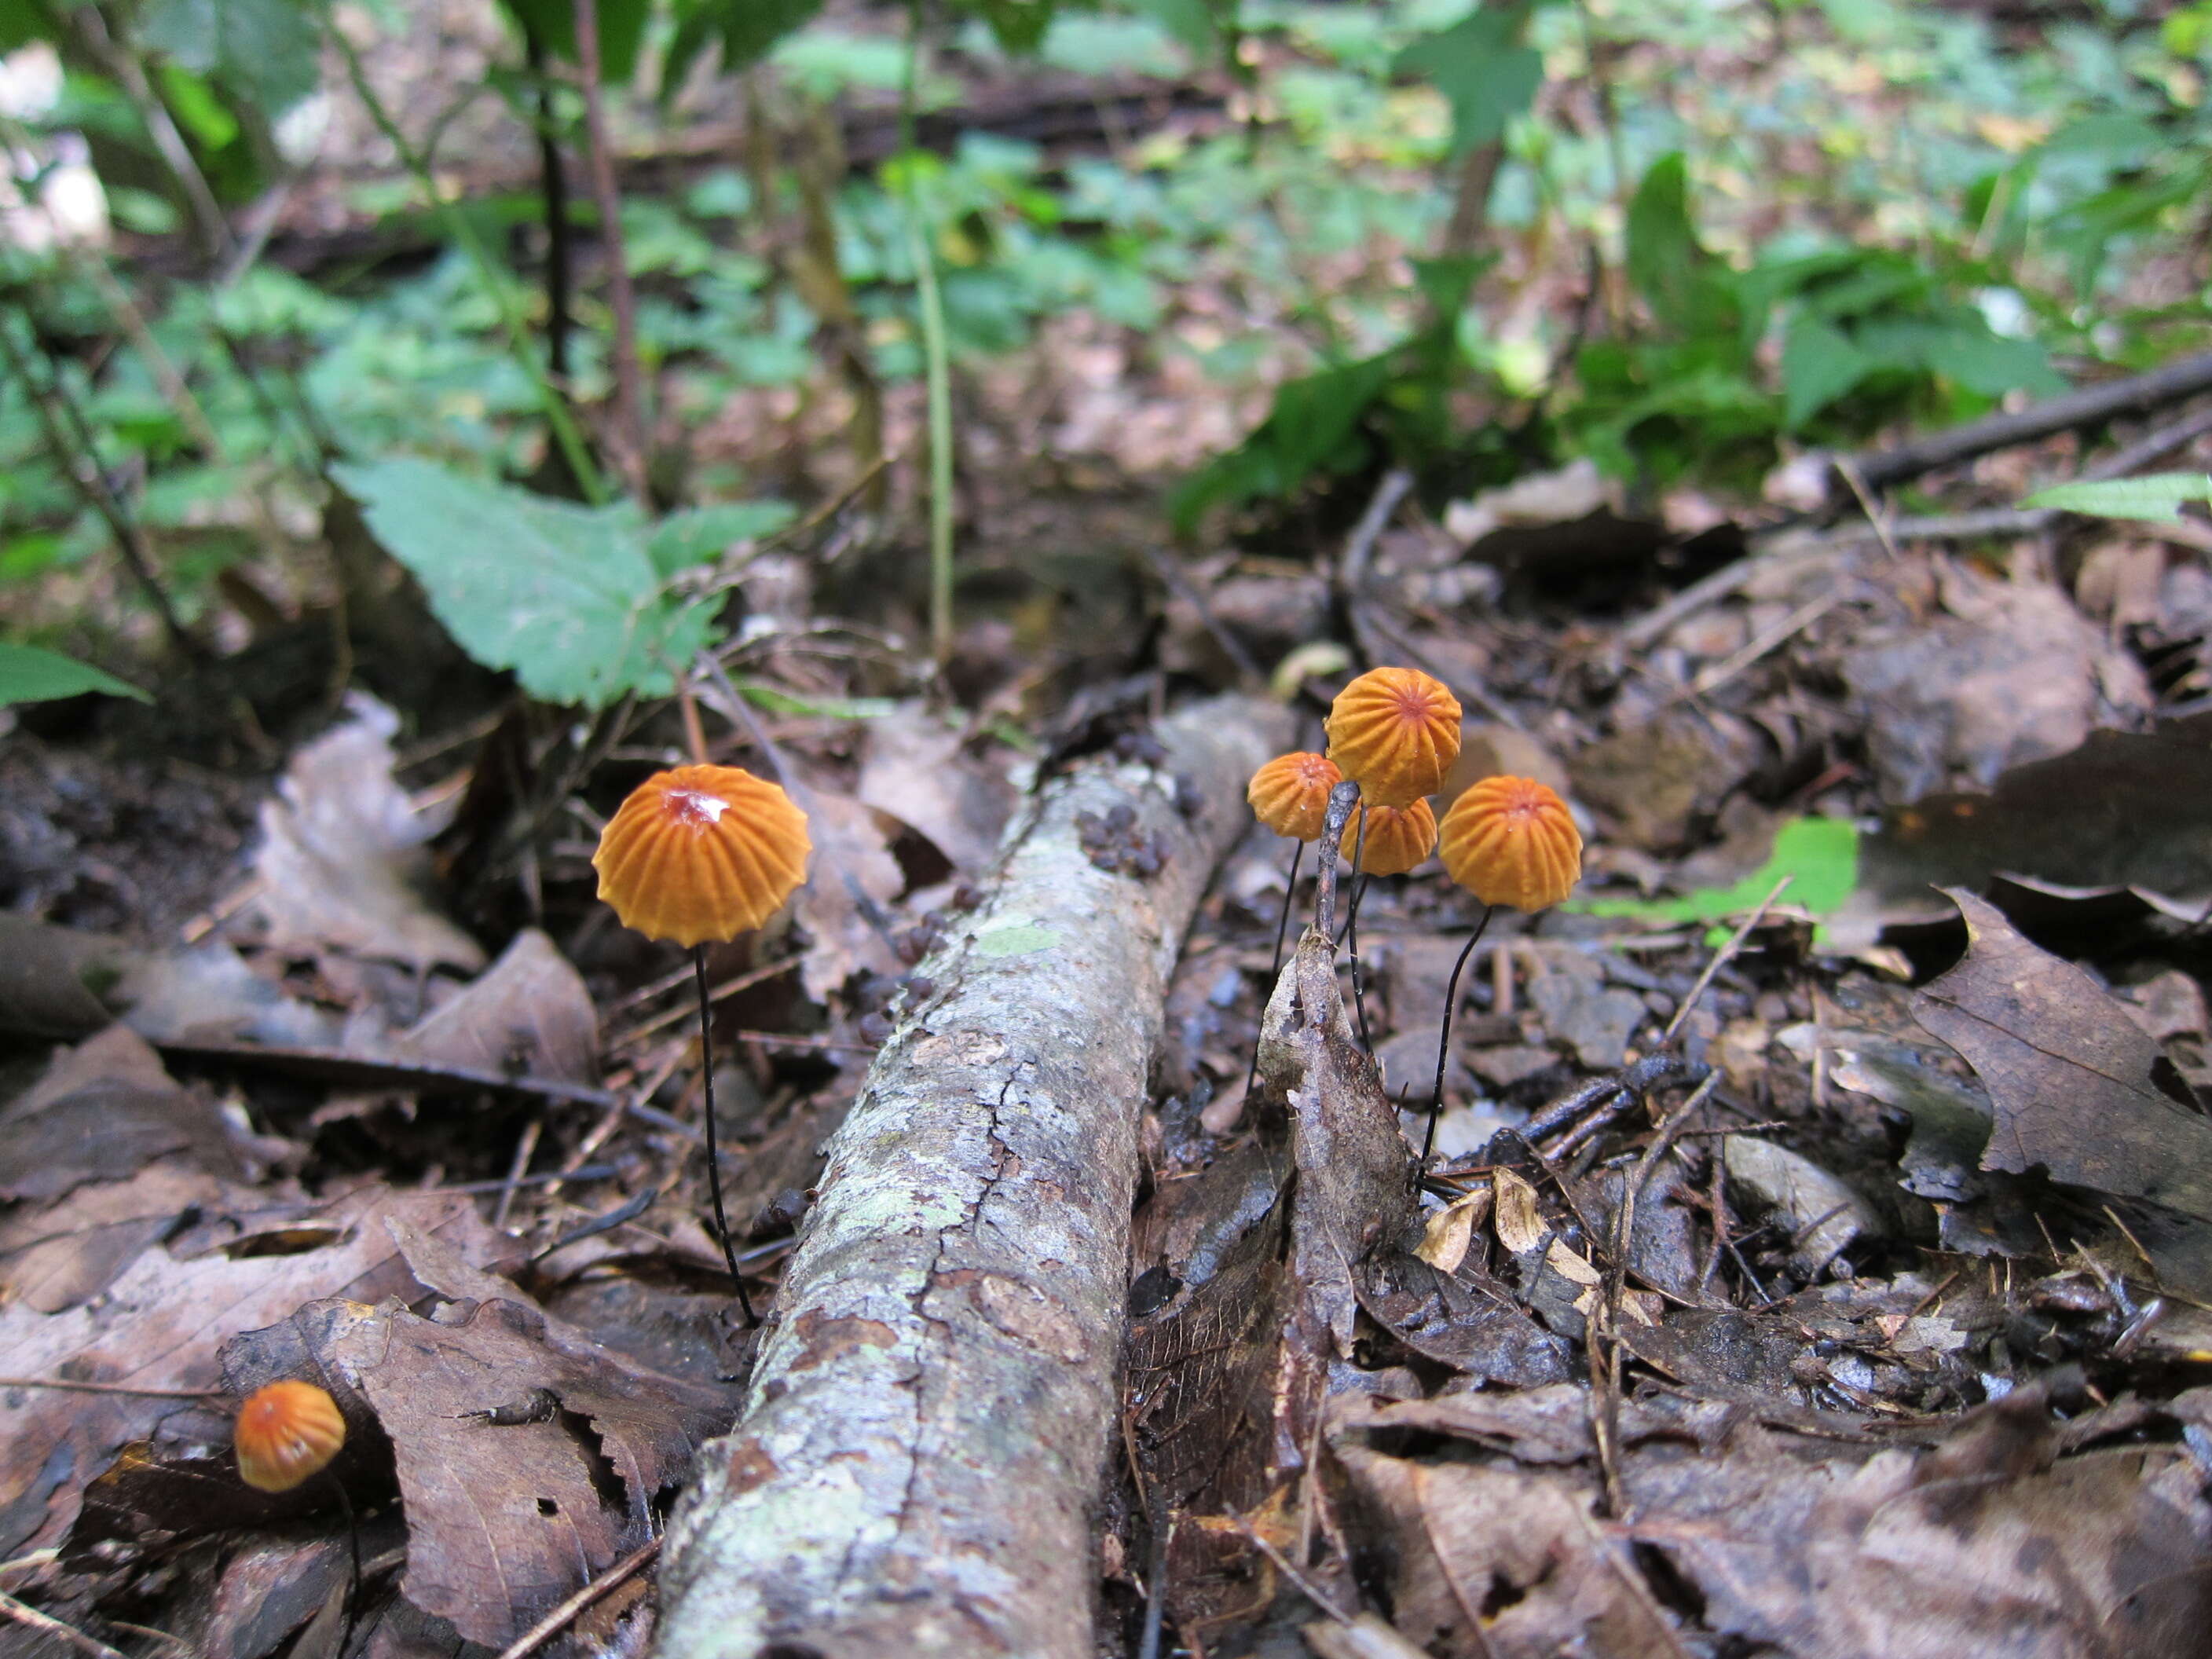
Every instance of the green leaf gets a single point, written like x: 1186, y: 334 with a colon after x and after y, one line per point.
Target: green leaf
x: 1483, y: 70
x: 684, y: 540
x: 1819, y: 364
x: 567, y: 596
x: 2153, y: 495
x: 28, y: 674
x: 744, y: 29
x: 267, y: 51
x: 621, y: 26
x: 1687, y: 289
x: 1821, y: 855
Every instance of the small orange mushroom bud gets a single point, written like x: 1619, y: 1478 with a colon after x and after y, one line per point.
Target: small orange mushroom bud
x: 1290, y: 794
x: 1512, y: 841
x: 701, y: 853
x: 1396, y: 838
x: 286, y: 1432
x: 1395, y: 732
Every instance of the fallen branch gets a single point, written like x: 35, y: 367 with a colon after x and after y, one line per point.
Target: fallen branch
x: 2136, y: 394
x: 919, y: 1460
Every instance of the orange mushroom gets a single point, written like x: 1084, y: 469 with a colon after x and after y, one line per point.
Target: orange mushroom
x: 286, y: 1433
x: 1396, y: 838
x: 701, y: 853
x: 1512, y: 841
x: 1395, y: 732
x: 1290, y: 794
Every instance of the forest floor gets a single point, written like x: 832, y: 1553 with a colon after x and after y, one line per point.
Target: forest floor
x: 1817, y: 1256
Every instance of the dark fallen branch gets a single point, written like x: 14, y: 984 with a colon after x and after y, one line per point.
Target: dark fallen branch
x: 2091, y: 405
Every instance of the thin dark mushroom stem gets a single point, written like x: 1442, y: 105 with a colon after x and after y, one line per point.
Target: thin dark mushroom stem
x: 353, y: 1544
x: 1352, y: 927
x: 1275, y: 963
x: 714, y: 1158
x: 1443, y: 1039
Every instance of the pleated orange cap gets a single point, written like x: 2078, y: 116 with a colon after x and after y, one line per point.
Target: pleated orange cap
x: 1290, y: 794
x: 1395, y: 732
x: 1512, y: 841
x: 286, y: 1432
x: 1397, y: 839
x: 701, y: 853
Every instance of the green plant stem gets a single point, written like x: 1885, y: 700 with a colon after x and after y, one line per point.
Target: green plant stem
x: 557, y: 416
x: 79, y: 462
x: 940, y: 445
x: 714, y: 1158
x: 937, y: 361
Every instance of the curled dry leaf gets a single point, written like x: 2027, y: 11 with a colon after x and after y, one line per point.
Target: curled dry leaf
x: 342, y: 860
x: 1450, y: 1231
x: 915, y: 769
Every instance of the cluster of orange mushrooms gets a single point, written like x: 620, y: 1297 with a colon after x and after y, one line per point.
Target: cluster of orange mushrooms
x: 1395, y: 733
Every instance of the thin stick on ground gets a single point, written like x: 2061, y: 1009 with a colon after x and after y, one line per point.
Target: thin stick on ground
x: 1443, y: 1037
x: 25, y: 1614
x: 713, y: 1156
x: 537, y: 1636
x: 1721, y: 957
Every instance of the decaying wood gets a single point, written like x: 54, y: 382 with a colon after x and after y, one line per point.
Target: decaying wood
x: 917, y: 1466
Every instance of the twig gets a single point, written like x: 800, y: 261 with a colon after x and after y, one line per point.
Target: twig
x: 1847, y: 469
x: 1720, y: 673
x: 630, y: 450
x: 682, y: 977
x: 1186, y: 590
x: 1343, y: 800
x: 120, y: 60
x: 79, y: 463
x: 535, y: 1637
x: 22, y: 1614
x: 526, y: 1146
x: 2134, y: 394
x: 1359, y: 546
x: 553, y: 185
x: 1721, y: 957
x: 70, y: 1387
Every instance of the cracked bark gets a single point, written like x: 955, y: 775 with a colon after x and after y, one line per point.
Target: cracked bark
x: 918, y: 1463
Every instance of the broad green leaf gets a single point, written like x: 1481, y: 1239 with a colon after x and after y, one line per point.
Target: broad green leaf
x: 684, y: 540
x: 2153, y: 495
x: 621, y: 26
x: 1483, y: 70
x: 567, y: 596
x: 1819, y: 364
x: 28, y: 674
x: 268, y: 50
x: 1821, y: 855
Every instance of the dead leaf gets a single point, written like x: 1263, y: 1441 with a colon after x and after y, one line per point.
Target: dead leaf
x: 2013, y: 674
x: 160, y: 1324
x: 341, y: 859
x: 850, y: 878
x: 2071, y: 1077
x: 506, y: 1513
x: 528, y: 1015
x: 1820, y: 1215
x: 1450, y: 1231
x: 69, y: 1252
x: 103, y: 1112
x: 915, y: 769
x: 1521, y: 1225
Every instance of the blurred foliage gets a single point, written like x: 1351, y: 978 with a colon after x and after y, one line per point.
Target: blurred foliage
x: 1698, y: 254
